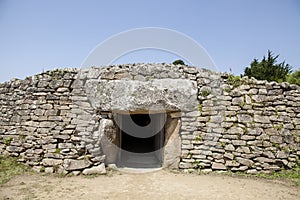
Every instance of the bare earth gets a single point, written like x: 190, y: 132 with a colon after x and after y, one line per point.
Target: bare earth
x: 154, y: 185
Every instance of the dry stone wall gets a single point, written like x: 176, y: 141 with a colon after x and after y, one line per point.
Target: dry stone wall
x: 56, y: 121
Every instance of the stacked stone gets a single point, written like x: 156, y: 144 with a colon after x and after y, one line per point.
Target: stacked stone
x: 202, y: 129
x: 35, y: 121
x: 252, y: 127
x: 55, y: 121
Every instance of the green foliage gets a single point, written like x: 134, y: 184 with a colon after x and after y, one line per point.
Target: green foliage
x: 8, y: 140
x: 228, y: 90
x: 235, y: 81
x: 205, y: 93
x: 223, y: 144
x: 57, y: 151
x: 9, y: 167
x: 268, y: 69
x: 56, y: 73
x: 294, y: 78
x: 279, y: 127
x: 178, y: 62
x: 199, y: 138
x: 197, y: 164
x: 42, y: 169
x: 200, y: 106
x: 292, y: 175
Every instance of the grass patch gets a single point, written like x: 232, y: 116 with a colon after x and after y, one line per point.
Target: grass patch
x: 291, y: 176
x: 205, y: 93
x: 9, y: 167
x: 235, y: 81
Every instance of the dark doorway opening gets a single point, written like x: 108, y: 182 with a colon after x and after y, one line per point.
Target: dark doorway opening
x: 141, y: 140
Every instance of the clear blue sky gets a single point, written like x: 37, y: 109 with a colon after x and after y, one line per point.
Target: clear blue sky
x: 40, y: 35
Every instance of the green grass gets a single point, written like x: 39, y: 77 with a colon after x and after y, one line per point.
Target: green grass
x: 292, y: 176
x: 9, y: 167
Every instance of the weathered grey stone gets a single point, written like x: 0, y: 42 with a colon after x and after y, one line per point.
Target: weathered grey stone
x: 218, y: 166
x: 264, y: 160
x: 65, y: 145
x: 229, y: 156
x: 238, y: 101
x: 51, y: 162
x: 216, y: 119
x: 172, y: 150
x: 238, y: 142
x: 134, y: 95
x: 243, y: 149
x: 244, y: 118
x: 247, y: 137
x: 244, y: 161
x: 276, y: 139
x: 281, y: 154
x: 193, y: 114
x: 261, y: 119
x: 76, y: 173
x: 71, y: 164
x: 49, y: 170
x: 232, y: 164
x: 100, y: 169
x: 229, y: 147
x: 255, y: 131
x: 235, y: 130
x: 258, y: 98
x: 14, y: 149
x: 108, y: 140
x: 252, y: 171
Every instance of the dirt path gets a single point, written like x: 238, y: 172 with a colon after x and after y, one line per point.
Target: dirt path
x: 155, y: 185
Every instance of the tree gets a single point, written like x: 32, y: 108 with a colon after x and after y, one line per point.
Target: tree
x: 268, y: 69
x: 178, y: 62
x: 294, y: 78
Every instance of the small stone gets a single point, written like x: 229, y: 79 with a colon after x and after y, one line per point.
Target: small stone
x: 218, y: 166
x: 217, y: 119
x: 276, y: 139
x: 51, y: 162
x: 76, y: 173
x: 244, y: 118
x: 281, y: 154
x: 242, y: 168
x: 184, y: 165
x: 206, y: 170
x: 238, y: 101
x: 100, y: 169
x: 49, y: 170
x: 235, y: 130
x: 232, y: 164
x: 37, y: 168
x: 238, y: 142
x: 252, y: 171
x: 113, y: 167
x: 261, y: 119
x: 70, y: 164
x: 228, y: 155
x: 229, y: 147
x: 244, y: 161
x: 193, y: 114
x: 264, y: 160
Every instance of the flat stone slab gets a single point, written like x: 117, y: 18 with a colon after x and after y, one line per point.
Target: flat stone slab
x: 155, y: 95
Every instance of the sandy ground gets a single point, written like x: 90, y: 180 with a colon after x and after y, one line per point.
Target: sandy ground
x: 154, y: 185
